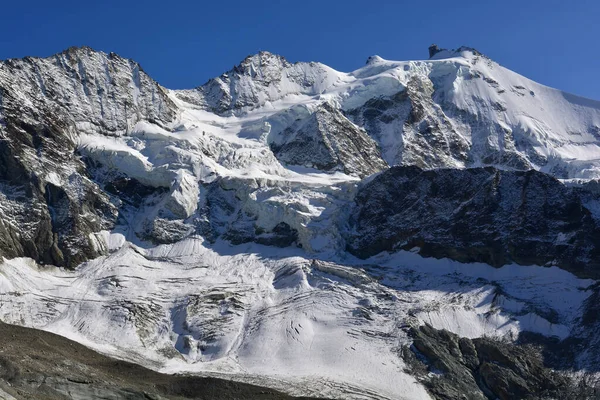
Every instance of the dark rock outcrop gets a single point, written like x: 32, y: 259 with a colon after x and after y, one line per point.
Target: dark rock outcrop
x: 452, y: 367
x: 328, y: 141
x: 433, y: 50
x: 41, y: 365
x: 477, y: 215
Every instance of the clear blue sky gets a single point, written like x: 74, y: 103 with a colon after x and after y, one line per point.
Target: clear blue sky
x: 184, y: 43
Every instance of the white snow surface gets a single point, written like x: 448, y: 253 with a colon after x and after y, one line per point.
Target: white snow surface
x: 279, y: 316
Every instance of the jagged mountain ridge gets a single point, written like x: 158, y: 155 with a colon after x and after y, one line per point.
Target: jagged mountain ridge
x: 458, y: 110
x: 98, y: 92
x: 215, y: 221
x: 440, y: 104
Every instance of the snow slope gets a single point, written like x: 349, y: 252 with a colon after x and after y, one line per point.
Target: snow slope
x: 327, y: 328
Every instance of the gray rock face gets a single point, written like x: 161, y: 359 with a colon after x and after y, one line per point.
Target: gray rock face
x: 44, y: 186
x: 482, y: 214
x: 93, y: 91
x: 50, y: 207
x: 328, y: 141
x: 459, y: 368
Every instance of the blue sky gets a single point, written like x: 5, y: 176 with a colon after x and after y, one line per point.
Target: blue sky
x: 184, y: 43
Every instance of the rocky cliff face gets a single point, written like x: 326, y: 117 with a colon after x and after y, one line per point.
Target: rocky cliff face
x: 51, y: 208
x: 476, y: 215
x: 459, y: 368
x: 94, y: 91
x: 45, y: 188
x: 328, y: 141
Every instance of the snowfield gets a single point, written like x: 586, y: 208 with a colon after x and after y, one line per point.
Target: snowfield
x: 281, y: 317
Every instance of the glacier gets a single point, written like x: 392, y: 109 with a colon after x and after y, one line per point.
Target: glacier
x: 222, y: 245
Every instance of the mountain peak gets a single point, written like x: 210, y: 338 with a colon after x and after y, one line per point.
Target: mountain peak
x: 80, y: 49
x: 98, y: 92
x: 374, y: 60
x: 81, y: 52
x: 72, y: 52
x: 437, y: 53
x: 254, y: 63
x: 86, y: 52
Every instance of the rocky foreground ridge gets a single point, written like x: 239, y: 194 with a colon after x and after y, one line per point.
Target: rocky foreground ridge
x: 41, y: 365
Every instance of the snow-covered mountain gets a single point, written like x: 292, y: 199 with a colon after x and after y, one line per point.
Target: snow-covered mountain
x: 320, y: 232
